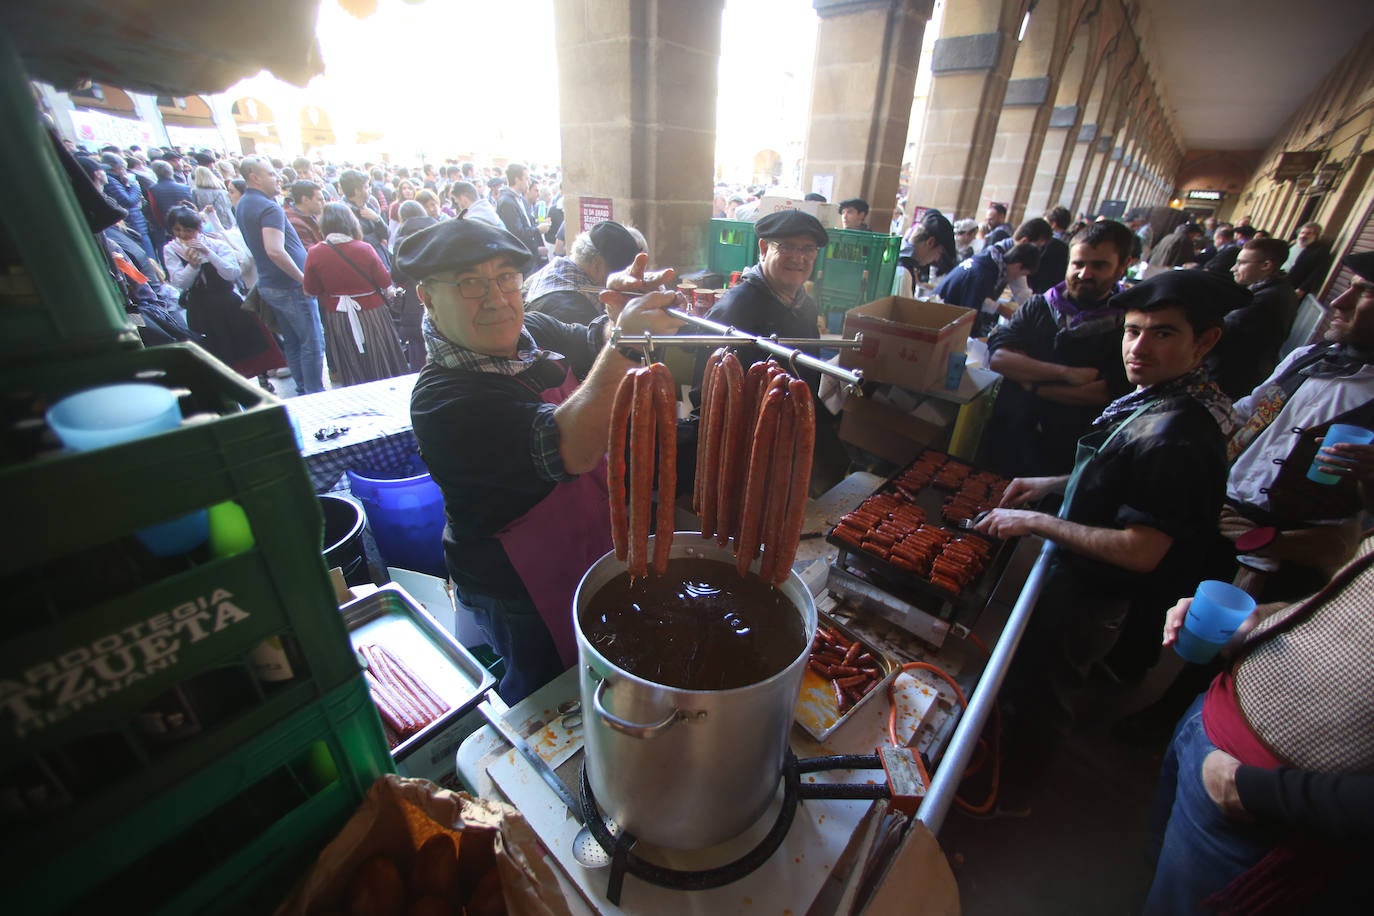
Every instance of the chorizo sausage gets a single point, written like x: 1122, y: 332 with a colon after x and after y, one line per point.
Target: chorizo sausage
x: 665, y: 410
x: 775, y: 501
x: 615, y: 463
x: 798, y: 490
x: 704, y: 419
x: 641, y: 473
x: 734, y: 455
x: 756, y: 484
x: 708, y: 457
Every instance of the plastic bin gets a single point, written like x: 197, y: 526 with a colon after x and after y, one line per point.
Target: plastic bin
x: 406, y: 515
x: 56, y: 296
x: 231, y: 838
x: 99, y: 634
x: 731, y: 245
x: 859, y: 267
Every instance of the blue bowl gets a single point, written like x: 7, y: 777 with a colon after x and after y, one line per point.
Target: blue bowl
x: 113, y: 414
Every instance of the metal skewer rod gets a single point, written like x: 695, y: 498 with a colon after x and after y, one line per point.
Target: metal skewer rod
x: 851, y: 377
x: 706, y: 340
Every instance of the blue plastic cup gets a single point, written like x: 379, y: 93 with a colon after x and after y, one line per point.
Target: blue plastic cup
x: 1338, y: 433
x: 115, y: 414
x: 1218, y: 608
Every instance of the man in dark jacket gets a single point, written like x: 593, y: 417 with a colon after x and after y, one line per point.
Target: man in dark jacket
x: 1249, y: 349
x: 356, y: 191
x: 165, y: 194
x: 1313, y: 261
x: 1060, y: 358
x: 511, y: 207
x: 1054, y: 257
x: 974, y: 283
x: 124, y: 189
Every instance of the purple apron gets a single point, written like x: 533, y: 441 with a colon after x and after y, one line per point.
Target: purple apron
x: 554, y: 544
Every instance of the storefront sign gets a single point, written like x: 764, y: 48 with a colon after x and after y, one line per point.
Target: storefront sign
x: 1206, y: 195
x: 95, y: 129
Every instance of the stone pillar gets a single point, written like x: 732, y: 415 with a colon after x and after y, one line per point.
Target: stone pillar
x: 867, y: 52
x: 637, y: 100
x: 970, y: 65
x: 1114, y: 110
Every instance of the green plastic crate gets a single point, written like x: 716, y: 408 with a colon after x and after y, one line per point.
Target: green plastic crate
x: 96, y: 631
x: 231, y: 838
x: 859, y: 267
x: 731, y: 245
x: 56, y: 295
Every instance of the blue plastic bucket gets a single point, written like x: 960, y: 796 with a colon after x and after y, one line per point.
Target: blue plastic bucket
x: 406, y: 515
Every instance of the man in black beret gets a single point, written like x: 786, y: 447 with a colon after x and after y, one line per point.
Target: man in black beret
x: 771, y: 298
x: 1316, y: 526
x: 514, y: 441
x: 569, y: 286
x: 1138, y: 516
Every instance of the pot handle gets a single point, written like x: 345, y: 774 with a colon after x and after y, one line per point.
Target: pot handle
x: 634, y: 729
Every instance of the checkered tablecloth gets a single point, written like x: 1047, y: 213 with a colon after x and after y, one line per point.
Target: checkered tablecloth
x: 379, y: 438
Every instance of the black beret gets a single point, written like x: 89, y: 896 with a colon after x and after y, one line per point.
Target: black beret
x: 939, y: 228
x: 786, y: 223
x: 615, y: 244
x: 455, y: 244
x: 1362, y: 264
x: 1201, y: 293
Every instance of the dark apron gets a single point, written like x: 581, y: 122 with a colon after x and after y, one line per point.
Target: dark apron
x: 554, y: 544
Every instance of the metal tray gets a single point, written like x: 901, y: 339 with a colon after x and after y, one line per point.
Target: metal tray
x: 816, y: 710
x: 389, y: 617
x: 907, y: 585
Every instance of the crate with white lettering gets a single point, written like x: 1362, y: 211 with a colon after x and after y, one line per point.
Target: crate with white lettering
x: 124, y: 676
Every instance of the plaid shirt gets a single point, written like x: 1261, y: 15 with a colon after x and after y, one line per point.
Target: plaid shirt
x: 544, y: 434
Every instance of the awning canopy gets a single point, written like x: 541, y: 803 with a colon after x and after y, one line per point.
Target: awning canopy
x: 164, y: 47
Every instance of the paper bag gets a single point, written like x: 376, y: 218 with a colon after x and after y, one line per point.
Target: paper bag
x: 398, y: 815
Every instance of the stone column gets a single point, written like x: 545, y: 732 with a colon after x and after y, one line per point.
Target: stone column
x: 637, y: 98
x: 867, y: 52
x: 970, y: 64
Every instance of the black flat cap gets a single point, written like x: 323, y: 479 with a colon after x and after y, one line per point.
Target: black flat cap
x: 1362, y: 264
x: 1201, y: 293
x: 938, y: 227
x: 786, y: 223
x: 615, y: 244
x: 457, y: 243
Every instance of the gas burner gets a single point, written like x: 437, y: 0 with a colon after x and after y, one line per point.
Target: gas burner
x: 618, y: 843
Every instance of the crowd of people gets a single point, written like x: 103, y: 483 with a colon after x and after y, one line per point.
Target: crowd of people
x: 1153, y: 430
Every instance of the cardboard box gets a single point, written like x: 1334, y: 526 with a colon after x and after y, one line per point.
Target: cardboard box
x: 891, y: 433
x: 906, y: 342
x: 828, y: 214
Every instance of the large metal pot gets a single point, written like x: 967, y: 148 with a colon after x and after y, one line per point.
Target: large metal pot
x: 684, y: 769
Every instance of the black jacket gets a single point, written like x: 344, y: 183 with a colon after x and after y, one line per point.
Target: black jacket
x: 1310, y: 267
x: 1249, y: 347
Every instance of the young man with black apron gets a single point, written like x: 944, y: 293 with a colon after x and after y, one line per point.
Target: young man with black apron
x: 1138, y: 511
x: 514, y: 440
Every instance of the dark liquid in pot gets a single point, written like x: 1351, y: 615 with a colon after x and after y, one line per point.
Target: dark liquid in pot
x: 700, y: 627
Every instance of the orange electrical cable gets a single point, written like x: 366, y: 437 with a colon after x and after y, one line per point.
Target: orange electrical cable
x: 995, y: 750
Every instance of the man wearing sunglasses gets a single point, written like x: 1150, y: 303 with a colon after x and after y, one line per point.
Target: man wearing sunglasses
x: 512, y: 414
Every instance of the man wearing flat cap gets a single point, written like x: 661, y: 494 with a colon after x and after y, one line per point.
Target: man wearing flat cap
x: 1316, y: 526
x: 771, y: 298
x: 569, y: 286
x: 1138, y: 512
x: 514, y: 441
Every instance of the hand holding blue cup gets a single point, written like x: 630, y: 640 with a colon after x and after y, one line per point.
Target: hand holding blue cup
x: 1337, y: 434
x: 1218, y: 609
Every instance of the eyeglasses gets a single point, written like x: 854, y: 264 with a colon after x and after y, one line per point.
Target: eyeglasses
x: 477, y: 287
x: 805, y: 251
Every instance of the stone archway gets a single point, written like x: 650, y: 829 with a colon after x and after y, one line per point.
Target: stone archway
x: 256, y: 125
x: 767, y: 166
